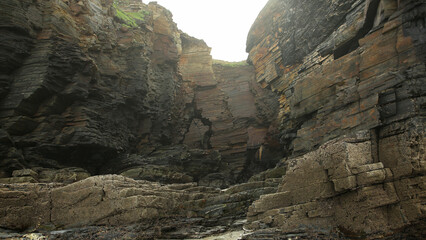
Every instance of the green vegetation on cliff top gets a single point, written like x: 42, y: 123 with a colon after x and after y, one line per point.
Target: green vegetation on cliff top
x: 130, y: 19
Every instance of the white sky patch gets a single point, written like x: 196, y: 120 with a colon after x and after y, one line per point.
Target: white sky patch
x: 222, y: 24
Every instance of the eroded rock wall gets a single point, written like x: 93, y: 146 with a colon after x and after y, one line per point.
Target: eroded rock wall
x: 87, y: 86
x: 340, y: 187
x: 227, y: 110
x: 363, y: 77
x: 127, y: 208
x: 336, y: 88
x: 252, y: 111
x: 115, y: 87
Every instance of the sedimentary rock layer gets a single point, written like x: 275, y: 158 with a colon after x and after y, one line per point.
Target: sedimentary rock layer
x: 341, y: 186
x: 363, y: 77
x: 153, y: 209
x: 89, y: 83
x: 102, y: 86
x: 335, y: 88
x: 114, y: 86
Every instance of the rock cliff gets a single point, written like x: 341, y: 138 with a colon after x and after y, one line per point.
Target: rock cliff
x: 320, y: 135
x: 350, y: 73
x: 354, y: 71
x: 85, y: 81
x: 115, y: 87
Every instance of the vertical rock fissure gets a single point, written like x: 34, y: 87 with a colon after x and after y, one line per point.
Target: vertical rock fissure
x: 375, y: 143
x: 197, y: 115
x: 353, y: 44
x: 319, y: 143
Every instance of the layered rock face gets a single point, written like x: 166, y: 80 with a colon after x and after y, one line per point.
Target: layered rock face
x: 340, y: 188
x: 358, y: 70
x: 131, y: 209
x: 87, y: 81
x: 335, y: 80
x: 115, y: 87
x: 226, y: 106
x: 331, y: 109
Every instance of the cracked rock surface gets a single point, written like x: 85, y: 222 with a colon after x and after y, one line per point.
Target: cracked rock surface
x: 114, y: 124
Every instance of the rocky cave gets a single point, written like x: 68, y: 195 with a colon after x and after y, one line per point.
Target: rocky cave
x: 115, y: 124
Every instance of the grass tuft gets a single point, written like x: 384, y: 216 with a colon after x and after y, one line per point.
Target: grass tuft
x: 130, y: 19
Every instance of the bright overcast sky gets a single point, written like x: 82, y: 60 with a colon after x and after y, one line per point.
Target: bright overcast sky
x: 222, y: 24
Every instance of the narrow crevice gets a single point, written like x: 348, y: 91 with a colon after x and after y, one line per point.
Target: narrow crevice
x: 207, y: 135
x: 353, y: 43
x: 50, y: 205
x: 248, y: 170
x: 103, y: 193
x: 289, y: 134
x: 190, y: 108
x: 197, y: 114
x: 375, y: 141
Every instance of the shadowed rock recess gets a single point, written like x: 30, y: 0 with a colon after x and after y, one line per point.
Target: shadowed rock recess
x: 117, y: 125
